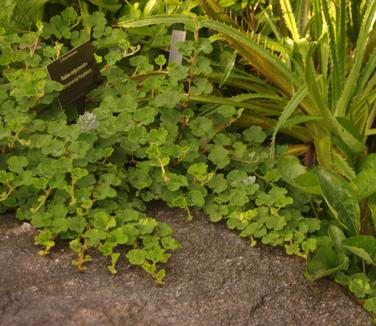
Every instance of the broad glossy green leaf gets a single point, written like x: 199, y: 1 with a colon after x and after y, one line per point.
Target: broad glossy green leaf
x: 23, y: 14
x: 363, y: 246
x: 368, y: 163
x: 294, y: 173
x: 337, y: 236
x: 341, y: 200
x: 325, y: 261
x: 365, y: 183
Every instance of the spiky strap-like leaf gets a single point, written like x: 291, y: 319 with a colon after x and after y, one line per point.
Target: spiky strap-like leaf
x: 213, y: 10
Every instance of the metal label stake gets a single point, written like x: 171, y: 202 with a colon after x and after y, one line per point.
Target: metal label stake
x: 175, y: 56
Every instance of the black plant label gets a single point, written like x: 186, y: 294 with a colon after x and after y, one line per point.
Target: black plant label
x: 78, y: 71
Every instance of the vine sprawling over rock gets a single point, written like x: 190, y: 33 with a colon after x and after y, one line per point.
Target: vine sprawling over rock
x: 205, y: 134
x: 85, y: 173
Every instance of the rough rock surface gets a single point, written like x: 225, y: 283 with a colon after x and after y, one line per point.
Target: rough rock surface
x: 215, y: 279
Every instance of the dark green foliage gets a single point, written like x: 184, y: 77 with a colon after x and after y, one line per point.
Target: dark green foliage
x: 154, y: 131
x: 85, y: 177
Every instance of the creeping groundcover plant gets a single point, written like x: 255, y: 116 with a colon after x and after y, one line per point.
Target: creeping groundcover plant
x: 265, y: 126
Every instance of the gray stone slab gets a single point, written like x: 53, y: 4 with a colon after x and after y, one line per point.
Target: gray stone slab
x: 216, y: 278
